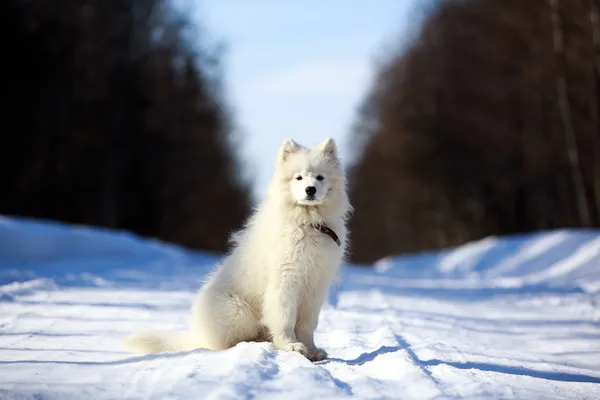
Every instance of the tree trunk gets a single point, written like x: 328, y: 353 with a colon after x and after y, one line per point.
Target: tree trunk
x: 565, y: 113
x: 595, y: 104
x: 119, y: 135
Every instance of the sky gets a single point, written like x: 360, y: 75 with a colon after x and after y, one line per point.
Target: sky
x: 299, y: 68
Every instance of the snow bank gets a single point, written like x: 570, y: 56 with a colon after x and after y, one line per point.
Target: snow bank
x: 71, y: 255
x: 562, y: 259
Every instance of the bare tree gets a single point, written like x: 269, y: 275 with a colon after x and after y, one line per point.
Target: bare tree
x: 565, y: 113
x: 595, y: 100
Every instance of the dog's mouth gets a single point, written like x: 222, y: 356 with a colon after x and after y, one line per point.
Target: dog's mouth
x: 309, y: 201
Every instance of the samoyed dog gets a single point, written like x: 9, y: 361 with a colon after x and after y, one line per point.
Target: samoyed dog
x: 273, y: 283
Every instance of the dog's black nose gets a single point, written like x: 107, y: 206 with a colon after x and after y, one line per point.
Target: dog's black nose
x: 311, y: 190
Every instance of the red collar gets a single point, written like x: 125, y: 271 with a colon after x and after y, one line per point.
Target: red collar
x: 329, y: 232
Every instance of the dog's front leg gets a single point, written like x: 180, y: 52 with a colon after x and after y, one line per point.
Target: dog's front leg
x: 280, y: 310
x: 308, y: 319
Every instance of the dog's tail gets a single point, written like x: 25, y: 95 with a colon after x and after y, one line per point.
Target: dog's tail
x: 155, y: 342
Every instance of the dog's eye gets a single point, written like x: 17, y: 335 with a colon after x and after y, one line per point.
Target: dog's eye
x: 298, y: 178
x: 320, y: 177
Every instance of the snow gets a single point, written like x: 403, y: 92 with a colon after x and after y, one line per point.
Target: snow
x: 508, y: 317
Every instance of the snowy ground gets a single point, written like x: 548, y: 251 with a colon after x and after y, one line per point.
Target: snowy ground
x: 499, y: 318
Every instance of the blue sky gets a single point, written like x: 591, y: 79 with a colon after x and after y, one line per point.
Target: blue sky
x: 299, y: 68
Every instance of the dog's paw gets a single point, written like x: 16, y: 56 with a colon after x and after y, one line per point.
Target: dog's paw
x: 317, y: 355
x: 297, y: 347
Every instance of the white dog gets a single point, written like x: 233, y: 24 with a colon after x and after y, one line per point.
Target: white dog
x: 275, y: 280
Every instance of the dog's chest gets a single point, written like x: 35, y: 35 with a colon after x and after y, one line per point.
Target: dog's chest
x: 313, y: 248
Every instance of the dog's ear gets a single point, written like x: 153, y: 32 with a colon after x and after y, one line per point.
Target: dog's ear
x: 328, y: 148
x: 288, y: 147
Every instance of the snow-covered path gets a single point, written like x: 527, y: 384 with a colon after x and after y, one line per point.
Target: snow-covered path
x: 500, y: 318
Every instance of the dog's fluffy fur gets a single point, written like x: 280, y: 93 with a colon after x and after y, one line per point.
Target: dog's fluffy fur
x: 275, y: 280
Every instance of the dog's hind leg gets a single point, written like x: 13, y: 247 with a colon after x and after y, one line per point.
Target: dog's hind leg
x: 223, y: 319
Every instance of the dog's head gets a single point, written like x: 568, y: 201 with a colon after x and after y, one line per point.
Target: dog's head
x: 311, y: 176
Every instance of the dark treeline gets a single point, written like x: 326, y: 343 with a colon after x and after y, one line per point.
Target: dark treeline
x: 487, y: 124
x: 113, y: 116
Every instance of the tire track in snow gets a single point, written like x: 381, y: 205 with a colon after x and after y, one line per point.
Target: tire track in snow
x: 393, y: 360
x: 8, y: 327
x: 426, y: 366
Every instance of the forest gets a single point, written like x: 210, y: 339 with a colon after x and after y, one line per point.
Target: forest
x: 487, y: 124
x: 115, y: 117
